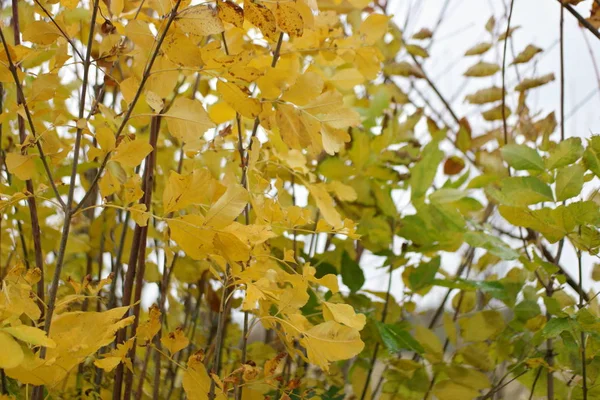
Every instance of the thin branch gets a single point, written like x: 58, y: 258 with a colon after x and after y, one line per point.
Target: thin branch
x: 138, y: 93
x: 584, y: 22
x: 65, y: 35
x: 148, y: 185
x: 21, y: 99
x: 68, y: 212
x: 376, y: 349
x: 504, y: 124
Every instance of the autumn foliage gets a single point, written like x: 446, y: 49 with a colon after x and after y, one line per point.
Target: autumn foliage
x: 192, y: 192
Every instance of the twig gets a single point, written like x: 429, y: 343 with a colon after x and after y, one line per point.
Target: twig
x: 138, y: 93
x: 68, y: 211
x: 504, y: 124
x: 376, y: 349
x: 584, y: 22
x: 60, y: 30
x: 21, y: 100
x: 148, y: 185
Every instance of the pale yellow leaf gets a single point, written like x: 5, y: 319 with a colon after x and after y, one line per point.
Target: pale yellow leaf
x: 228, y: 207
x: 344, y: 314
x: 187, y: 120
x: 31, y: 335
x: 12, y: 354
x: 130, y: 154
x: 22, y: 166
x: 238, y: 100
x: 199, y: 20
x: 331, y: 341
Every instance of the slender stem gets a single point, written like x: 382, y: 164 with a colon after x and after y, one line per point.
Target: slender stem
x: 383, y: 317
x: 60, y: 29
x: 562, y: 73
x: 504, y: 124
x: 583, y: 335
x: 21, y: 100
x: 68, y: 212
x: 216, y: 364
x: 138, y: 93
x: 537, y: 376
x: 148, y: 185
x: 137, y: 260
x: 32, y: 205
x: 584, y: 22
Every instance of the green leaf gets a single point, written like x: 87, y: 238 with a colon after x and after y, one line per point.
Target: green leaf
x: 569, y: 182
x: 397, y: 339
x: 565, y: 153
x: 522, y: 157
x: 522, y: 191
x: 447, y: 195
x: 352, y: 274
x: 424, y: 171
x: 424, y: 274
x: 492, y: 244
x: 591, y: 155
x: 555, y: 327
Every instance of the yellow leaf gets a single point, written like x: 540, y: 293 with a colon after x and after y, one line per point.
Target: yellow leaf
x: 238, y: 100
x: 230, y: 12
x: 231, y: 247
x: 289, y: 19
x: 329, y: 108
x: 31, y: 335
x: 306, y: 88
x: 346, y: 79
x: 109, y: 184
x: 295, y: 130
x: 41, y: 32
x: 481, y: 326
x: 116, y: 7
x: 344, y: 314
x: 326, y: 205
x: 187, y: 119
x: 199, y: 20
x: 482, y: 69
x: 196, y: 382
x: 228, y: 207
x: 251, y: 234
x: 430, y: 342
x: 184, y: 190
x: 192, y: 236
x: 12, y: 354
x: 175, y: 341
x: 342, y: 191
x: 329, y: 342
x: 368, y: 61
x: 261, y: 17
x: 105, y: 139
x: 373, y: 28
x: 77, y: 335
x: 154, y: 101
x: 334, y: 140
x: 449, y: 390
x: 116, y: 356
x: 182, y: 50
x: 221, y: 112
x: 131, y: 154
x: 128, y: 88
x: 22, y: 166
x: 139, y: 214
x: 107, y: 363
x: 478, y: 49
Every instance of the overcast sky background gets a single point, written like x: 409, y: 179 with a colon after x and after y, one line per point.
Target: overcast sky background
x: 463, y: 26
